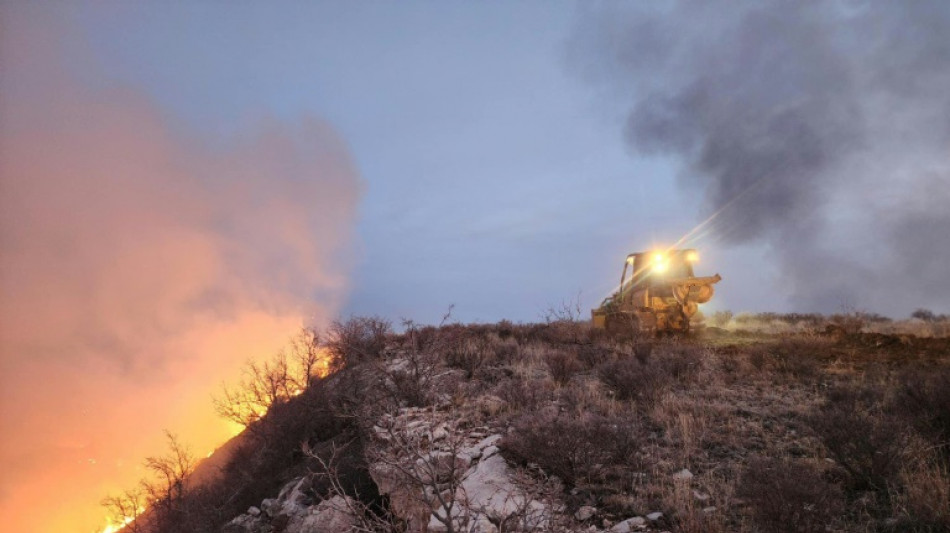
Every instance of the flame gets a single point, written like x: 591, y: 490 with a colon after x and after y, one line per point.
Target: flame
x: 114, y: 526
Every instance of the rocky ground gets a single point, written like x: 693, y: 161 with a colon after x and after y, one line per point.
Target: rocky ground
x: 553, y: 427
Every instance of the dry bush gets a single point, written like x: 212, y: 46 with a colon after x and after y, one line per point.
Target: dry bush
x: 630, y: 379
x: 470, y: 354
x: 789, y: 496
x: 587, y: 396
x: 525, y: 395
x: 923, y: 396
x: 924, y: 500
x: 576, y: 449
x: 410, y: 382
x: 867, y: 442
x: 797, y: 357
x: 594, y: 354
x: 562, y: 364
x: 683, y: 361
x: 357, y: 340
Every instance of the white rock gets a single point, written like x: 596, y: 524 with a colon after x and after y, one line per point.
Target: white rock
x: 701, y: 497
x: 710, y: 509
x: 585, y: 513
x: 489, y: 451
x: 491, y: 440
x: 653, y: 517
x: 253, y: 511
x: 630, y: 524
x: 440, y: 433
x: 330, y: 515
x: 489, y: 491
x: 270, y: 507
x: 683, y: 475
x: 437, y: 467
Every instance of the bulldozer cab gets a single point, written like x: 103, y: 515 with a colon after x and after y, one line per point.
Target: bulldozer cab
x: 653, y: 269
x: 658, y: 292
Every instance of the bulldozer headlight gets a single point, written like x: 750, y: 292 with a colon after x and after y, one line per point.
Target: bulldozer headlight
x: 692, y: 256
x: 659, y: 267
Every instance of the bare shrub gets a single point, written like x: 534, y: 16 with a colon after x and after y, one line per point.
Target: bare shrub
x: 592, y: 355
x: 868, y: 443
x: 527, y: 395
x: 563, y: 365
x: 789, y: 496
x: 126, y: 508
x: 849, y: 321
x: 507, y: 349
x: 574, y: 448
x: 629, y: 379
x: 410, y: 381
x: 924, y: 314
x: 470, y: 354
x: 166, y: 490
x: 357, y: 340
x: 682, y: 361
x: 797, y: 357
x: 274, y: 381
x: 924, y: 500
x: 923, y: 395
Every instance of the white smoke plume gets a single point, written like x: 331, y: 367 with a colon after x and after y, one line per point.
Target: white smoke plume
x: 139, y: 268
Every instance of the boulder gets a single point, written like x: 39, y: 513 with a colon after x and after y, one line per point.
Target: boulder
x: 490, y: 491
x: 585, y: 513
x: 683, y: 475
x: 438, y: 467
x: 629, y: 525
x: 329, y: 515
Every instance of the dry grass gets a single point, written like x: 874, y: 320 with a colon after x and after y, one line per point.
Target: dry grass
x: 853, y: 420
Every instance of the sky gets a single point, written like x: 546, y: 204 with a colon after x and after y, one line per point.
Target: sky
x: 184, y: 184
x: 496, y: 179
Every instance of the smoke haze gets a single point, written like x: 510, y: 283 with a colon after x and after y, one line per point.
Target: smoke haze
x: 820, y: 129
x: 140, y: 268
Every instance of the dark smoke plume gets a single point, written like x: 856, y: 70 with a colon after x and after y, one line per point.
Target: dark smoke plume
x: 819, y: 129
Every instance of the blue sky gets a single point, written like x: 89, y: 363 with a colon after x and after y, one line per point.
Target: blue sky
x: 495, y: 176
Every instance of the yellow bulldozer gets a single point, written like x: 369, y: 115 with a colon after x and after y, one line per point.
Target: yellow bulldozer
x: 659, y: 296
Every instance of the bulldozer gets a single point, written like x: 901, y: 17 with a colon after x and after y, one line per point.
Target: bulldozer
x: 660, y: 295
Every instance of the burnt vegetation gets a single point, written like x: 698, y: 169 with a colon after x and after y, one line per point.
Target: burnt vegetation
x: 833, y: 426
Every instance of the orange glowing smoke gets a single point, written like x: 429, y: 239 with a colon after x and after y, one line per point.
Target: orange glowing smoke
x: 139, y: 270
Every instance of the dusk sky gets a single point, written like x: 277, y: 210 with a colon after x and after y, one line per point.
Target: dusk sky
x: 495, y: 177
x: 183, y: 184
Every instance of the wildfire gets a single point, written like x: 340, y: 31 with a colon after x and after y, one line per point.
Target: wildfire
x: 114, y: 527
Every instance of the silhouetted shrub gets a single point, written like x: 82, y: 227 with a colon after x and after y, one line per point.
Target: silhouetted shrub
x: 924, y: 314
x: 789, y: 497
x: 357, y: 340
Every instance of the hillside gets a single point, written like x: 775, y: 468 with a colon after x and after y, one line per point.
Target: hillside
x: 785, y: 425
